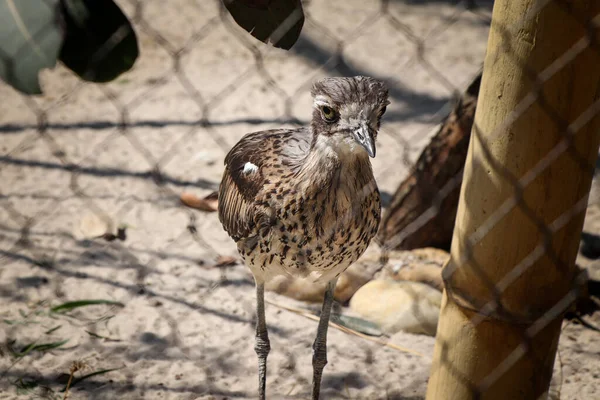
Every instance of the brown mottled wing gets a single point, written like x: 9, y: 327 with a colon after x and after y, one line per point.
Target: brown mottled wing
x: 240, y: 208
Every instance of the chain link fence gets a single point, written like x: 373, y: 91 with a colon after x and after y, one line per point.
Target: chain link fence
x: 93, y: 175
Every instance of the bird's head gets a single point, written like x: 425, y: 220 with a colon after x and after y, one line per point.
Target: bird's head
x: 347, y: 113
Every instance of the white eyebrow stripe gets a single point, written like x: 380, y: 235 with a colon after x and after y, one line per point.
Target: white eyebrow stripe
x: 321, y: 101
x: 250, y: 168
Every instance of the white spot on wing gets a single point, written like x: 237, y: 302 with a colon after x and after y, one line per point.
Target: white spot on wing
x: 249, y: 168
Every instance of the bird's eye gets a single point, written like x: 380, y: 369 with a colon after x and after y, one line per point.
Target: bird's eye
x: 329, y: 114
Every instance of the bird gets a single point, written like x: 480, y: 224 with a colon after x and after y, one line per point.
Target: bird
x: 304, y: 202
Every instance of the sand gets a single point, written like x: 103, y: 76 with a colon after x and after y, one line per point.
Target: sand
x: 185, y: 327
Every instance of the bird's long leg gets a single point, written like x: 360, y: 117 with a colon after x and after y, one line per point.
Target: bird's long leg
x: 262, y: 345
x: 320, y: 345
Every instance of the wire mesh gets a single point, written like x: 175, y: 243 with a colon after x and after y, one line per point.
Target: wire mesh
x: 93, y: 175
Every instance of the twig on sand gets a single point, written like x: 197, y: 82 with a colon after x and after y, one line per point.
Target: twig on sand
x: 309, y: 315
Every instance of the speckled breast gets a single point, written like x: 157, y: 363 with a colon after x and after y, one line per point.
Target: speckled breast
x: 324, y: 233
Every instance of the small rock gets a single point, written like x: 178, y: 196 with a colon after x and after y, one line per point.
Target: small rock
x: 399, y: 306
x: 419, y: 265
x: 92, y: 226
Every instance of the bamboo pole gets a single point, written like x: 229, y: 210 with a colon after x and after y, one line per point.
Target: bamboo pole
x: 510, y: 354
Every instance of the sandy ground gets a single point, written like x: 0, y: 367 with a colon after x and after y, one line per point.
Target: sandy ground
x: 185, y: 330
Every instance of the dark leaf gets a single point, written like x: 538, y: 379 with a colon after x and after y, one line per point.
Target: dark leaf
x: 25, y: 386
x: 31, y: 38
x: 100, y: 43
x: 278, y: 22
x: 97, y: 336
x: 590, y: 245
x: 122, y: 233
x: 49, y: 331
x: 109, y: 237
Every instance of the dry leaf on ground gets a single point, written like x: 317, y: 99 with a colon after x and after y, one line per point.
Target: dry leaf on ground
x: 226, y: 261
x: 209, y: 203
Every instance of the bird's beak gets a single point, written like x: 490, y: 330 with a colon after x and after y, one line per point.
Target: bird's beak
x: 364, y: 138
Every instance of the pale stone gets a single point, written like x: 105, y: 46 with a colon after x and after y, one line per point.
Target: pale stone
x: 91, y: 226
x: 399, y: 306
x: 418, y: 265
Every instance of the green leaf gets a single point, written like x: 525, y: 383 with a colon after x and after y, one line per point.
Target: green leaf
x: 100, y: 43
x: 31, y: 39
x: 97, y: 336
x: 81, y: 378
x: 20, y: 322
x: 357, y: 324
x: 39, y: 347
x: 25, y: 386
x: 278, y: 22
x: 68, y: 306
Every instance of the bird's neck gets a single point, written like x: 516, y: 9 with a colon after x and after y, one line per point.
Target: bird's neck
x: 331, y: 157
x: 339, y: 147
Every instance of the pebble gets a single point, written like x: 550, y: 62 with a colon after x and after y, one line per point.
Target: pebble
x: 396, y: 306
x: 418, y: 265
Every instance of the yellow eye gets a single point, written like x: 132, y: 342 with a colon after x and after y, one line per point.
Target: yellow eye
x: 329, y: 114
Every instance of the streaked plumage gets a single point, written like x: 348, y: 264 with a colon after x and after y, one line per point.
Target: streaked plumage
x: 299, y: 211
x: 304, y: 202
